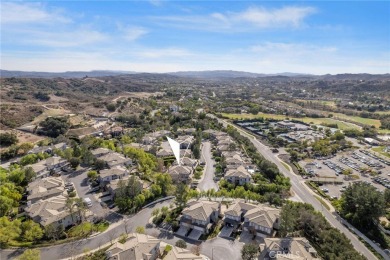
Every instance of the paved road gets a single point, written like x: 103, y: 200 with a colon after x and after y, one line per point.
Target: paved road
x: 207, y: 183
x: 77, y: 247
x: 304, y: 194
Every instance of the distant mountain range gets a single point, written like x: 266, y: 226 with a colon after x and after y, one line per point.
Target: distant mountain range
x: 210, y: 74
x: 67, y: 74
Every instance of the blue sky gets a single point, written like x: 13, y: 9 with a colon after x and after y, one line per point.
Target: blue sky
x: 162, y: 36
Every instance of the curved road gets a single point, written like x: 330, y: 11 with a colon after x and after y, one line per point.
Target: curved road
x: 71, y: 249
x: 207, y: 182
x: 304, y: 194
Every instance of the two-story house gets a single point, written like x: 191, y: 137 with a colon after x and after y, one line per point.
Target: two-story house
x: 199, y: 216
x: 287, y: 248
x: 117, y: 172
x: 239, y: 176
x: 52, y: 211
x: 180, y: 173
x: 42, y: 189
x: 262, y: 220
x: 113, y: 159
x: 234, y: 215
x: 44, y: 167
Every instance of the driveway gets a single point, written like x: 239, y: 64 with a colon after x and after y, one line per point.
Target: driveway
x: 207, y: 183
x: 222, y: 249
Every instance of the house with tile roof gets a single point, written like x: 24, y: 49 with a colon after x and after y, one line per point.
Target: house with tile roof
x: 262, y: 220
x: 113, y: 159
x: 43, y: 167
x: 42, y: 189
x: 116, y: 172
x: 100, y: 151
x: 239, y: 176
x: 180, y: 173
x: 52, y: 211
x: 136, y: 247
x: 200, y: 215
x: 234, y: 215
x: 289, y: 248
x: 177, y: 253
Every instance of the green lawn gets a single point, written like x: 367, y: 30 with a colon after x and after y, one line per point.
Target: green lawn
x: 322, y: 202
x: 358, y: 119
x: 86, y: 228
x: 308, y: 120
x: 323, y: 102
x: 285, y: 165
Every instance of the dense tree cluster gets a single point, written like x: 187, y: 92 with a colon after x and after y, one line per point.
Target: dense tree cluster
x: 362, y: 204
x: 7, y: 139
x: 12, y: 185
x: 301, y: 219
x: 54, y: 126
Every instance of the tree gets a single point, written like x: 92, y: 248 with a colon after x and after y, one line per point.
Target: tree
x: 28, y: 159
x: 92, y: 175
x: 54, y: 126
x: 362, y: 204
x: 386, y: 195
x: 196, y: 249
x: 181, y: 195
x: 54, y: 231
x: 196, y: 152
x: 139, y: 200
x: 31, y: 231
x: 30, y: 254
x: 249, y: 251
x: 100, y: 164
x: 29, y: 174
x: 111, y: 107
x: 9, y: 230
x: 181, y: 243
x: 74, y: 162
x: 7, y: 139
x: 287, y: 220
x: 140, y: 230
x: 6, y: 205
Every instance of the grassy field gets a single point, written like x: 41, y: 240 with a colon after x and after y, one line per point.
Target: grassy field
x: 322, y: 102
x: 361, y: 120
x: 380, y: 150
x: 50, y: 112
x: 308, y: 120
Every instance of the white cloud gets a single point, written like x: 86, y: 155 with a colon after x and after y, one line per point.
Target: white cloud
x: 15, y: 13
x: 132, y: 33
x: 286, y: 16
x: 249, y: 19
x: 291, y: 48
x: 67, y: 39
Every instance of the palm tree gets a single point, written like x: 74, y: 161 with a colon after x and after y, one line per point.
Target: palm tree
x: 69, y: 205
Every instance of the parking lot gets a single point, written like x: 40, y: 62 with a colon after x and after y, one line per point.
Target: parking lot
x: 360, y: 162
x: 83, y: 189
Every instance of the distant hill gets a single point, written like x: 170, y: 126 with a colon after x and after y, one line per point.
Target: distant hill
x: 67, y: 74
x: 208, y: 74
